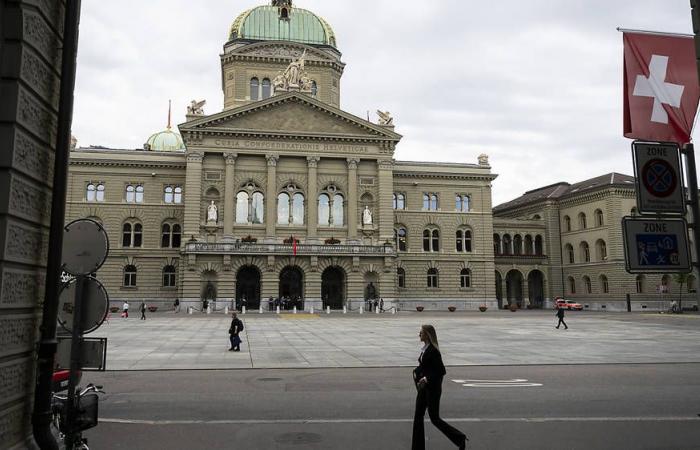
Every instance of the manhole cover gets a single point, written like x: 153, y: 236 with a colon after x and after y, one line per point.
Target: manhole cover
x: 269, y: 379
x: 298, y: 438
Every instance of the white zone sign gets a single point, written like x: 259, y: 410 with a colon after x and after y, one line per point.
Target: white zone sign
x: 656, y: 245
x: 657, y: 171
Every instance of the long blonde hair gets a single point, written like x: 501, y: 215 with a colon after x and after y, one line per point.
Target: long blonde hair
x: 429, y: 332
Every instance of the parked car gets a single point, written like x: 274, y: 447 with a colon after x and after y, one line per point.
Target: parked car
x: 569, y: 304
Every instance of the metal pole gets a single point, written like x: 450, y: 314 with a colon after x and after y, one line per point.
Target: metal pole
x: 694, y: 204
x: 75, y: 360
x: 46, y: 350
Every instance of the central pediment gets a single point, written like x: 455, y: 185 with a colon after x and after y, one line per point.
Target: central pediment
x: 290, y: 114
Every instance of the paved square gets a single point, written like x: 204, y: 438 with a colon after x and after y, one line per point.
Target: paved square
x: 179, y: 341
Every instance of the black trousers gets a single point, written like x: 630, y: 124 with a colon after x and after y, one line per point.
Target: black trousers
x: 429, y: 397
x: 561, y: 321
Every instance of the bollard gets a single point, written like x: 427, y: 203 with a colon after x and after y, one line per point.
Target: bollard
x: 328, y: 309
x: 295, y: 309
x: 362, y: 310
x: 261, y: 309
x: 376, y: 310
x: 345, y: 309
x: 393, y: 309
x: 311, y: 310
x: 189, y: 310
x: 226, y: 310
x: 243, y: 309
x: 278, y: 309
x: 208, y: 309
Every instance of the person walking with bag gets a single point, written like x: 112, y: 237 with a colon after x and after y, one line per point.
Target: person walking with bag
x: 428, y: 379
x: 233, y: 331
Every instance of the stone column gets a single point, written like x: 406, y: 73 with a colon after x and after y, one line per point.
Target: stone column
x: 193, y: 194
x: 386, y: 189
x: 352, y: 198
x: 229, y: 194
x: 271, y: 196
x: 312, y: 198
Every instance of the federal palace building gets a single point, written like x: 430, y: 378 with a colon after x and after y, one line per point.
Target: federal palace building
x: 284, y: 194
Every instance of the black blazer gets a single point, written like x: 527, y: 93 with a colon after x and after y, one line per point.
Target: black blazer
x: 430, y: 366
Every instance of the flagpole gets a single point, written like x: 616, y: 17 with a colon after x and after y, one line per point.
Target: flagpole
x: 655, y: 33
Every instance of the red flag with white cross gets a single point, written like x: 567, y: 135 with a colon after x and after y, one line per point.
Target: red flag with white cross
x: 660, y: 86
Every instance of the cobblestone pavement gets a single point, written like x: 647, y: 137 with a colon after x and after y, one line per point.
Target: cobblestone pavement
x: 180, y: 341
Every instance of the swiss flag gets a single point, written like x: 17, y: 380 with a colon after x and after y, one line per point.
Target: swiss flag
x: 660, y: 87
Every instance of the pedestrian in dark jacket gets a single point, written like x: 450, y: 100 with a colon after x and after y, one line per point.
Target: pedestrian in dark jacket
x: 142, y: 308
x: 428, y: 378
x: 233, y: 331
x: 560, y: 315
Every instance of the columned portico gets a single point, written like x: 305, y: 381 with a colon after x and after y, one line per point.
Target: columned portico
x: 229, y: 194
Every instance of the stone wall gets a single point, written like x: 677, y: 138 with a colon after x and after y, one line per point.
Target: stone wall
x: 30, y: 58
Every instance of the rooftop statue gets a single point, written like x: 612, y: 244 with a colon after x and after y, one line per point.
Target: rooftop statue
x: 295, y: 71
x: 196, y: 108
x: 385, y: 118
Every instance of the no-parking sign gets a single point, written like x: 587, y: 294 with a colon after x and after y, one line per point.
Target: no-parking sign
x: 657, y: 170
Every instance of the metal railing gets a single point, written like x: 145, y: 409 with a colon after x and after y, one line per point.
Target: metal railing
x: 285, y: 249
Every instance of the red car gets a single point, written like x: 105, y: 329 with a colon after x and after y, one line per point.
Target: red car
x: 569, y: 304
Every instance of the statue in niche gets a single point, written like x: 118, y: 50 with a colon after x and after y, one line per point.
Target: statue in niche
x: 366, y: 216
x: 212, y: 213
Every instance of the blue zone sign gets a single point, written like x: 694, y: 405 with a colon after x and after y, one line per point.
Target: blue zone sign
x: 656, y: 245
x: 657, y: 171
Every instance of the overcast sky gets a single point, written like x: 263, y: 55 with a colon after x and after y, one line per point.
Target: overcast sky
x: 536, y: 85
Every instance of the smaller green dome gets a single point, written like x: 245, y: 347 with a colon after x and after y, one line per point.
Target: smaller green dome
x: 165, y: 141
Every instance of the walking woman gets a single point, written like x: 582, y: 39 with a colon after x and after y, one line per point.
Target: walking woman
x: 428, y: 378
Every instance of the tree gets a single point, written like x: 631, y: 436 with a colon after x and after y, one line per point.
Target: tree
x: 681, y: 279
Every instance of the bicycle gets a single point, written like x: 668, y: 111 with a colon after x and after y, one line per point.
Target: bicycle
x: 85, y: 416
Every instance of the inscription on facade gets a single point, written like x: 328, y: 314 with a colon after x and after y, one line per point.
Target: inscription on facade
x: 291, y: 146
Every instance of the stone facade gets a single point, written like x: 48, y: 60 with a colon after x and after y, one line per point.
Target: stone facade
x: 30, y: 55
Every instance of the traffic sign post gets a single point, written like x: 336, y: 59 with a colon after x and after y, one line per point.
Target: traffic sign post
x: 659, y: 177
x: 656, y: 245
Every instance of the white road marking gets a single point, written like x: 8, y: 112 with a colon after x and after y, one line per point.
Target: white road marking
x: 448, y: 419
x: 516, y: 382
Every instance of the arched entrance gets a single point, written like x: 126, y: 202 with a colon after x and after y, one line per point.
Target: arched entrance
x: 535, y: 288
x: 292, y: 286
x: 208, y: 289
x: 514, y: 288
x: 333, y: 287
x: 499, y: 289
x: 248, y: 287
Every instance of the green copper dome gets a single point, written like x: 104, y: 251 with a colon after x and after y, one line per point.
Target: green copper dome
x: 267, y: 23
x: 165, y: 141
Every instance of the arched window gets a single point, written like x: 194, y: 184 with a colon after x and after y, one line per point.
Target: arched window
x: 399, y: 201
x: 266, y: 91
x: 165, y: 235
x: 517, y: 245
x: 567, y: 223
x: 529, y: 248
x: 432, y: 278
x: 314, y: 88
x: 258, y: 208
x: 569, y: 250
x: 91, y: 192
x: 640, y: 282
x: 463, y: 241
x: 585, y: 251
x: 169, y: 194
x: 401, y: 277
x: 462, y: 203
x: 324, y: 210
x: 169, y: 276
x: 497, y: 244
x: 601, y: 250
x: 242, y: 207
x: 283, y: 209
x: 572, y: 285
x: 338, y: 210
x: 298, y: 209
x: 507, y: 245
x: 430, y: 202
x: 539, y: 245
x: 431, y: 240
x: 130, y: 193
x: 465, y: 278
x: 599, y: 221
x: 100, y: 192
x: 254, y: 89
x: 604, y: 284
x: 400, y: 238
x: 582, y: 221
x: 178, y: 194
x: 171, y: 236
x: 132, y: 234
x: 130, y: 276
x: 587, y: 284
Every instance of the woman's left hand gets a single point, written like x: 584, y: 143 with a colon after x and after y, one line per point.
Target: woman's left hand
x: 423, y: 381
